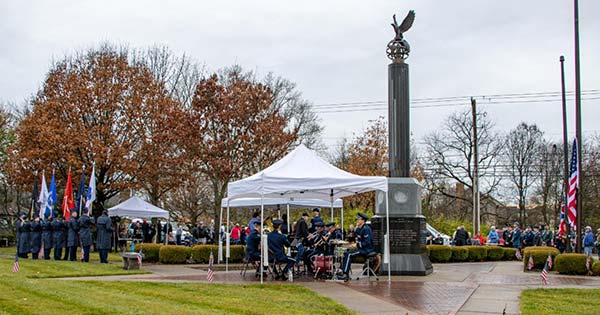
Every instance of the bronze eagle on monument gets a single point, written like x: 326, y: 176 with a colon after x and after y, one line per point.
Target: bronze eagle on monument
x: 405, y: 26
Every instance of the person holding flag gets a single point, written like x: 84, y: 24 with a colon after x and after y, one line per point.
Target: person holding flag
x: 59, y: 226
x: 47, y: 242
x: 85, y: 235
x: 23, y: 243
x: 72, y: 236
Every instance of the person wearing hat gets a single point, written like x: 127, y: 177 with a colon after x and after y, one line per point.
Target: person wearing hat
x: 277, y: 243
x: 300, y: 235
x: 598, y: 242
x: 364, y: 245
x: 104, y: 231
x: 47, y: 236
x: 23, y: 243
x: 316, y: 244
x: 588, y: 241
x: 36, y: 237
x: 516, y: 236
x: 253, y: 246
x: 72, y: 236
x: 316, y: 218
x: 529, y: 238
x: 59, y: 226
x: 85, y: 235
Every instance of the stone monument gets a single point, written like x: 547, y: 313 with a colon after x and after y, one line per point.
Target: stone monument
x: 407, y: 224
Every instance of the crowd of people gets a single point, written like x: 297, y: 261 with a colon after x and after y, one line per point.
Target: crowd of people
x: 533, y: 235
x: 53, y: 234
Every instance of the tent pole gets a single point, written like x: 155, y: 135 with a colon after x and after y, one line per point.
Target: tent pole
x: 387, y: 231
x: 220, y: 255
x: 262, y: 232
x: 331, y: 197
x: 342, y: 219
x: 288, y: 227
x: 227, y: 241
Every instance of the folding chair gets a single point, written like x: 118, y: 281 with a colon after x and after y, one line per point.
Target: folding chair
x: 371, y: 266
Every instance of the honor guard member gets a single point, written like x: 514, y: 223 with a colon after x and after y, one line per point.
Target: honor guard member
x: 23, y: 244
x: 104, y: 231
x: 47, y: 236
x: 72, y: 236
x: 58, y: 236
x: 36, y: 237
x: 85, y: 235
x: 277, y: 242
x: 316, y: 218
x: 364, y: 245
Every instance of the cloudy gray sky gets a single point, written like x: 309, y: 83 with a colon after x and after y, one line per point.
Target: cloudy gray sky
x: 335, y: 50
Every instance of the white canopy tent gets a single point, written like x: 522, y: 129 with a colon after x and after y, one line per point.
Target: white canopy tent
x: 135, y: 207
x: 303, y: 174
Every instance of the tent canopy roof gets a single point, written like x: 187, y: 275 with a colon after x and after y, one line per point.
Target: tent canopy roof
x: 273, y: 202
x: 135, y: 207
x: 303, y: 174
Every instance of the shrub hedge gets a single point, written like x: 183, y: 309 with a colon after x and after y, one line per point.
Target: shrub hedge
x: 571, y: 264
x: 439, y: 253
x: 540, y: 255
x: 510, y: 253
x: 150, y: 251
x: 596, y: 268
x: 477, y: 253
x: 495, y: 253
x: 459, y: 253
x: 172, y: 254
x: 201, y: 253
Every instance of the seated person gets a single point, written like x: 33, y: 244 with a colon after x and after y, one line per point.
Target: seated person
x: 277, y: 243
x: 253, y: 243
x: 317, y: 245
x: 330, y: 236
x: 364, y: 245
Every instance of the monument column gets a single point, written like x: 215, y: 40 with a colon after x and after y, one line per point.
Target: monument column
x: 407, y: 224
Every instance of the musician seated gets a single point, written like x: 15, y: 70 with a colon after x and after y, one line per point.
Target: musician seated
x: 331, y: 235
x: 277, y: 243
x: 317, y: 245
x: 253, y: 244
x: 364, y: 245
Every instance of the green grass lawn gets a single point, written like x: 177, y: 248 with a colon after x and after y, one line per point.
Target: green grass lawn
x: 560, y: 301
x: 112, y: 257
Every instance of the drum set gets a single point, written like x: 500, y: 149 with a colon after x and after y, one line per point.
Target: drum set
x: 325, y: 266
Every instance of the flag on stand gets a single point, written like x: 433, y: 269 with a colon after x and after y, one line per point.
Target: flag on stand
x: 139, y: 259
x: 573, y: 186
x: 80, y: 192
x: 16, y: 264
x: 43, y: 198
x: 68, y: 203
x: 34, y: 196
x: 549, y: 261
x: 544, y: 274
x: 562, y: 228
x: 530, y: 264
x: 210, y: 274
x: 51, y: 198
x: 518, y: 255
x: 91, y: 195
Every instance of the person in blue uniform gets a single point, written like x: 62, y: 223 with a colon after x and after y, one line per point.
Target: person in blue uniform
x: 104, y: 231
x: 72, y: 236
x: 36, y: 237
x: 23, y: 243
x: 253, y: 246
x: 47, y: 236
x: 316, y: 218
x: 85, y: 235
x: 316, y: 246
x: 364, y: 245
x: 58, y: 236
x: 277, y: 243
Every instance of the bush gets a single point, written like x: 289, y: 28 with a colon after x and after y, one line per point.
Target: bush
x: 510, y: 253
x: 596, y: 268
x: 540, y: 255
x: 460, y: 253
x: 172, y: 254
x: 439, y: 253
x: 477, y: 253
x: 150, y: 251
x: 9, y: 237
x: 495, y: 253
x: 571, y: 264
x: 201, y: 253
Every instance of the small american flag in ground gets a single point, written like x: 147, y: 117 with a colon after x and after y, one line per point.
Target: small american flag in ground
x: 549, y: 261
x: 544, y: 274
x: 588, y: 262
x: 210, y: 274
x: 139, y: 259
x: 518, y: 255
x: 16, y: 264
x: 530, y: 264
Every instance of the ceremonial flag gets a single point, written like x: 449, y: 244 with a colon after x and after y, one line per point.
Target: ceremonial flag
x: 530, y: 264
x: 91, y: 195
x: 16, y: 264
x: 34, y: 196
x: 573, y: 186
x: 210, y: 274
x: 43, y: 198
x: 68, y: 203
x: 80, y: 192
x: 518, y: 255
x: 544, y: 274
x: 549, y: 261
x: 51, y: 198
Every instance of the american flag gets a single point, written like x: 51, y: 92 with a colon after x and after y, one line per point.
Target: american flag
x: 549, y: 261
x: 588, y: 262
x: 16, y: 264
x: 544, y: 274
x: 210, y: 274
x: 139, y: 259
x: 518, y: 255
x: 573, y: 186
x: 530, y: 264
x: 562, y: 229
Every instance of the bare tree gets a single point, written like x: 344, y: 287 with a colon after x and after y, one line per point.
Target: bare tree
x: 549, y: 169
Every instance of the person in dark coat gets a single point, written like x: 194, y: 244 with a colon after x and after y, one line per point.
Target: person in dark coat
x: 85, y: 235
x: 58, y: 236
x: 47, y: 237
x: 72, y: 236
x: 35, y: 237
x: 277, y: 243
x: 23, y: 244
x: 104, y: 231
x: 146, y: 232
x: 364, y: 245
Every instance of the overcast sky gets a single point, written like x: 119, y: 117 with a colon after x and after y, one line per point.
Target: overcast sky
x: 335, y: 50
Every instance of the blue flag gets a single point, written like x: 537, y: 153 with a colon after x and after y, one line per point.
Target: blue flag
x: 80, y: 193
x: 51, y: 198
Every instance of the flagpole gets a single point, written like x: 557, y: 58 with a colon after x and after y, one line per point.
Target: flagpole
x: 579, y: 218
x: 565, y: 152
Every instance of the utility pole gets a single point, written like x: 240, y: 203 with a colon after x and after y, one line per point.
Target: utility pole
x: 579, y: 219
x: 565, y: 153
x: 476, y: 216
